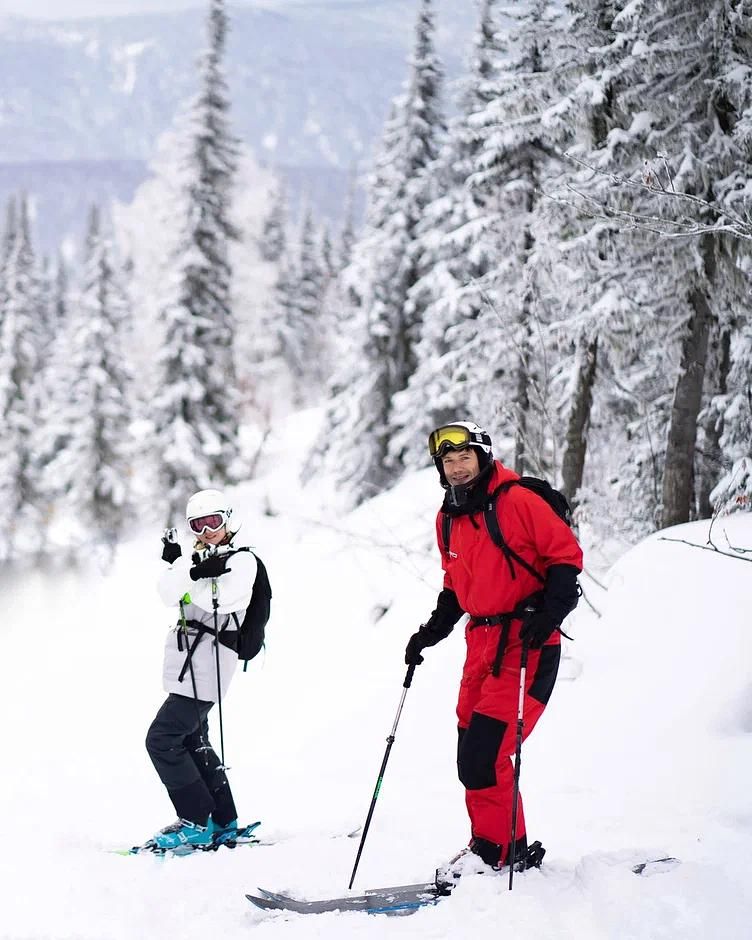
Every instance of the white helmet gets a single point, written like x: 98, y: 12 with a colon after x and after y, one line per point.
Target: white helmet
x: 207, y: 504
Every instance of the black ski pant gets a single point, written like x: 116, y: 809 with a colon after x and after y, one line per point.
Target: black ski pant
x: 178, y: 745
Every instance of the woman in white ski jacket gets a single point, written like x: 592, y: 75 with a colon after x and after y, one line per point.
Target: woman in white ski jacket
x: 178, y: 740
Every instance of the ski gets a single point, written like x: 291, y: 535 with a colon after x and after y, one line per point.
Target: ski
x: 245, y: 836
x: 655, y: 866
x: 401, y: 899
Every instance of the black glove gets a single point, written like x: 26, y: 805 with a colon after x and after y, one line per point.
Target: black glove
x: 440, y: 624
x: 538, y: 628
x: 560, y: 597
x: 419, y: 641
x: 211, y: 567
x: 171, y: 551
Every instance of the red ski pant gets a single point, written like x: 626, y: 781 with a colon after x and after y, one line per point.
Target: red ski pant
x: 487, y: 712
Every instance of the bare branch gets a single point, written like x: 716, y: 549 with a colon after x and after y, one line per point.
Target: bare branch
x: 711, y: 548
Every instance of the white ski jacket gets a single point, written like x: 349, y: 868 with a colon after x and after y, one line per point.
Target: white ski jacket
x: 234, y: 589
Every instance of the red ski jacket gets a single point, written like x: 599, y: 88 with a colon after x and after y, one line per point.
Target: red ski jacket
x: 477, y: 570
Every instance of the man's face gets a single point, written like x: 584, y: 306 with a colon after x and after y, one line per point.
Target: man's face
x: 460, y: 466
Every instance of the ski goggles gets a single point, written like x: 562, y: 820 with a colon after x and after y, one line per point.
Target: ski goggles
x: 454, y: 437
x: 211, y: 522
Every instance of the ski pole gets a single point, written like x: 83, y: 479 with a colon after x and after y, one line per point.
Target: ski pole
x: 203, y: 746
x: 389, y: 743
x: 517, y: 761
x: 215, y: 605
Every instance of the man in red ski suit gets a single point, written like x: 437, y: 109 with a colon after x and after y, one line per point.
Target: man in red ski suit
x: 508, y: 605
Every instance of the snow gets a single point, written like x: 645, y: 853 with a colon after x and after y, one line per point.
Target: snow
x: 644, y: 750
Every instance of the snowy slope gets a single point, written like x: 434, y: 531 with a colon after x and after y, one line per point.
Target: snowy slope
x: 645, y: 749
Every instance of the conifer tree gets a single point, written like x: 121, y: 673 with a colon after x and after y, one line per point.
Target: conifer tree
x: 197, y: 401
x: 20, y: 341
x: 385, y: 325
x: 734, y: 489
x: 88, y: 473
x: 274, y: 232
x: 680, y: 290
x: 458, y: 247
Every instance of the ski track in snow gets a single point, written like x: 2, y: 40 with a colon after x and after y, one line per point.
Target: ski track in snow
x: 644, y: 751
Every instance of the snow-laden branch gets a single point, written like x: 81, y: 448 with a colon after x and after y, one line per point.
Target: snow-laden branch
x: 728, y: 222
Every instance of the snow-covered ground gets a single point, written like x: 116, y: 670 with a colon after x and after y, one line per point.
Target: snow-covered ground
x: 645, y: 750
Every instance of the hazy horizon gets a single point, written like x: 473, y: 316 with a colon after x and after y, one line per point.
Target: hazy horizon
x: 76, y: 9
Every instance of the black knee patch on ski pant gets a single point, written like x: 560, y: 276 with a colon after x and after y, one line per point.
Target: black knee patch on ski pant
x: 545, y: 674
x: 478, y: 750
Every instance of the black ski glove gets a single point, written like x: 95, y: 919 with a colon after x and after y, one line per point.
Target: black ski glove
x: 439, y: 625
x: 211, y: 567
x: 537, y: 629
x: 560, y: 597
x: 171, y: 551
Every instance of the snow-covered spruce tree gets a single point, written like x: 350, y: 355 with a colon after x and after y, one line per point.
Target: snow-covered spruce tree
x: 457, y: 248
x: 590, y: 291
x: 521, y: 140
x: 9, y: 235
x: 273, y: 238
x: 385, y: 325
x: 493, y: 358
x: 51, y: 432
x: 300, y: 290
x: 343, y: 246
x: 195, y: 409
x: 21, y: 338
x: 690, y: 57
x: 89, y: 474
x: 734, y: 489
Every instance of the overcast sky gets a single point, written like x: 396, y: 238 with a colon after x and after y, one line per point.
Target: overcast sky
x: 66, y: 9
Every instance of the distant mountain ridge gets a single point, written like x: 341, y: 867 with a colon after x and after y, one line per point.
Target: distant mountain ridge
x: 310, y: 86
x: 83, y: 102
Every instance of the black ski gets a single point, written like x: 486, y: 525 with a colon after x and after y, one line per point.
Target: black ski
x: 401, y: 899
x: 656, y: 866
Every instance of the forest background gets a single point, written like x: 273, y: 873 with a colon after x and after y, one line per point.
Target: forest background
x: 556, y: 245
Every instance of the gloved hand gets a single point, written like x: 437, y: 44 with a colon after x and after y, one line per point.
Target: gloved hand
x: 538, y: 628
x: 437, y: 628
x: 171, y: 551
x: 211, y: 567
x: 424, y: 637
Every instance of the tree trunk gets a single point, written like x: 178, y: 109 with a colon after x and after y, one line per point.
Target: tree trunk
x: 522, y: 401
x: 710, y: 464
x: 575, y: 445
x: 682, y: 433
x: 522, y: 461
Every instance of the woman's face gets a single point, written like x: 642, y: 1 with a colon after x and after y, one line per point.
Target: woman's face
x: 212, y: 538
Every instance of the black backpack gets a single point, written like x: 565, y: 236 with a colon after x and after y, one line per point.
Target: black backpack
x: 249, y: 635
x: 555, y: 499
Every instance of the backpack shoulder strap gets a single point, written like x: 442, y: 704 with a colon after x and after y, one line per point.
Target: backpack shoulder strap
x: 446, y: 531
x: 497, y: 537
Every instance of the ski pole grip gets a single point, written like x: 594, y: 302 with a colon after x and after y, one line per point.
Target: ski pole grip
x: 409, y: 676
